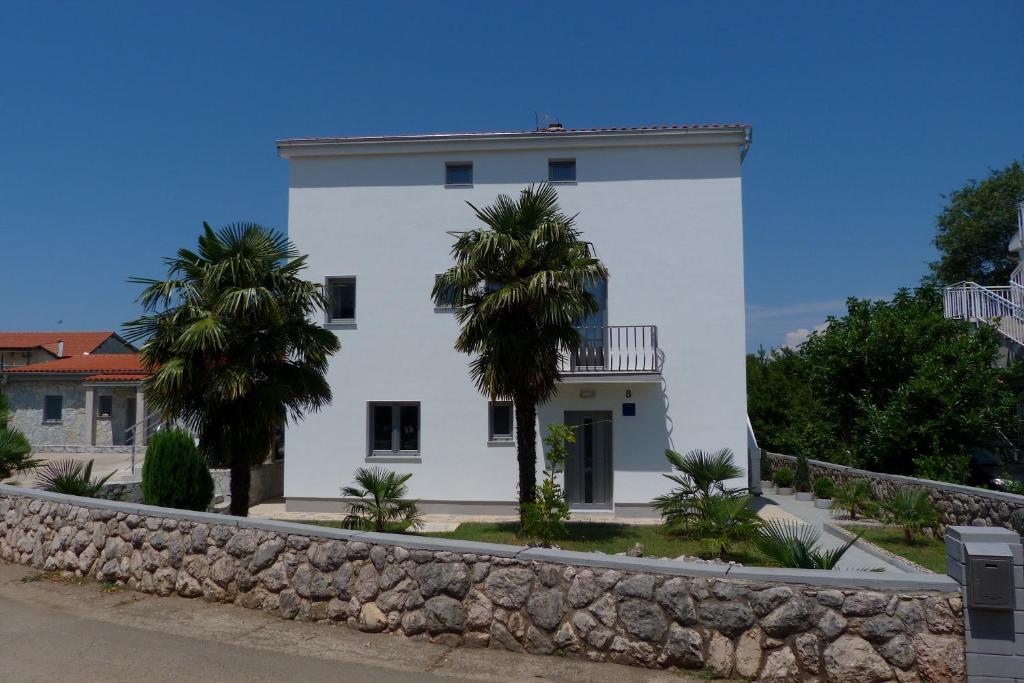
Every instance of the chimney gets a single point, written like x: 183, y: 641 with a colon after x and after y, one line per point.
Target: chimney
x: 60, y: 348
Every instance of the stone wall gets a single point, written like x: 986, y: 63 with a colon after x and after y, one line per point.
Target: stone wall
x: 768, y: 624
x: 26, y: 397
x: 959, y: 505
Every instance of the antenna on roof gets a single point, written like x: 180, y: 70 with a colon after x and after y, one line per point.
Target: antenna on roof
x: 546, y: 121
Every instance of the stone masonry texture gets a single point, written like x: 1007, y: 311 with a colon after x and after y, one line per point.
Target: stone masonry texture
x: 760, y: 630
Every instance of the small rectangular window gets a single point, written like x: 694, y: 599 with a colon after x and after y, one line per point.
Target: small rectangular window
x: 105, y: 407
x: 53, y: 408
x: 458, y: 173
x: 501, y: 420
x: 341, y: 291
x: 394, y: 428
x: 448, y: 298
x: 562, y: 171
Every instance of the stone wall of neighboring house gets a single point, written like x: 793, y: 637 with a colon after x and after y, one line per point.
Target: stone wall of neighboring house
x: 769, y: 624
x: 959, y: 505
x: 26, y: 398
x: 110, y: 431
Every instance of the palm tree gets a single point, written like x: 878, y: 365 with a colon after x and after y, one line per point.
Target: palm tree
x: 795, y: 545
x: 72, y: 477
x: 700, y: 475
x: 909, y: 508
x: 724, y: 520
x: 520, y: 285
x: 15, y: 450
x: 235, y: 352
x: 381, y: 502
x: 854, y: 496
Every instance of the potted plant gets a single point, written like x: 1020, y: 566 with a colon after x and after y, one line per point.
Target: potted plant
x: 783, y: 479
x: 802, y: 480
x: 823, y: 490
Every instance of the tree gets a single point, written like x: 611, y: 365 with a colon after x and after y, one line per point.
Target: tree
x: 892, y: 386
x: 232, y: 342
x: 15, y: 450
x: 976, y: 226
x: 175, y: 473
x: 379, y: 501
x: 520, y: 286
x: 544, y: 518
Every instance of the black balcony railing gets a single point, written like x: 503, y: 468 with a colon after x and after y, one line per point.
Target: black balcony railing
x: 613, y: 349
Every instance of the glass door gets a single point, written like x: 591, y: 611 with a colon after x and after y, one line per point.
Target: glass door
x: 591, y: 354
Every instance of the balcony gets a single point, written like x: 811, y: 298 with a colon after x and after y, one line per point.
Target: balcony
x: 613, y: 353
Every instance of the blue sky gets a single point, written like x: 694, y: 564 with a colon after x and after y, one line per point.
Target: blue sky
x: 125, y: 125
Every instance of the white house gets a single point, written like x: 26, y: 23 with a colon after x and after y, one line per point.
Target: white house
x: 664, y: 369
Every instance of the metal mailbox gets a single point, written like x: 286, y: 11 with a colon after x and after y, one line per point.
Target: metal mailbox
x: 989, y: 576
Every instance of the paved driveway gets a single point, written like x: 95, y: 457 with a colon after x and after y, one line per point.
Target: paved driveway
x: 55, y: 631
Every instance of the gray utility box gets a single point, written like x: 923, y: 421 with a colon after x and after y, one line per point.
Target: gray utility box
x: 989, y: 576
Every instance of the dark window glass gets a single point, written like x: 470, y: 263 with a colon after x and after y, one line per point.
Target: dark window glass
x: 382, y: 427
x: 409, y: 436
x: 458, y: 174
x: 53, y: 408
x: 501, y: 421
x: 106, y: 406
x: 563, y: 171
x: 342, y: 293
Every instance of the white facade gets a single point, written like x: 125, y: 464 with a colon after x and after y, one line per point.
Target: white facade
x: 663, y: 209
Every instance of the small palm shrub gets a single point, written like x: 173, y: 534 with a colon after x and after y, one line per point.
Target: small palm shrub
x: 544, y: 518
x: 802, y: 476
x: 175, y: 473
x: 698, y: 475
x: 909, y: 508
x: 725, y: 520
x: 795, y: 545
x: 71, y: 477
x: 380, y: 501
x: 854, y: 497
x: 824, y: 487
x: 15, y: 450
x: 783, y: 477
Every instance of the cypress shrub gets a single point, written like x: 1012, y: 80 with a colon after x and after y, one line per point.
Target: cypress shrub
x: 802, y: 478
x: 175, y: 473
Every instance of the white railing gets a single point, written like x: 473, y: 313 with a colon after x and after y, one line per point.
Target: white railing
x: 145, y: 427
x: 990, y: 305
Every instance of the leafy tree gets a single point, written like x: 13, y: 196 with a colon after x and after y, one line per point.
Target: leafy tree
x: 231, y: 337
x: 175, y: 474
x: 381, y: 502
x: 892, y: 386
x: 15, y: 450
x: 520, y: 284
x: 975, y: 227
x: 544, y: 519
x: 72, y: 477
x: 795, y: 545
x: 909, y: 508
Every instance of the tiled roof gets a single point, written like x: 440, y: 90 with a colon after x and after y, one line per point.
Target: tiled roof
x: 75, y: 343
x: 550, y: 131
x: 121, y: 364
x: 117, y: 377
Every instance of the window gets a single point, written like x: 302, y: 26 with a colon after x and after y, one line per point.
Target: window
x: 394, y: 428
x: 500, y: 421
x: 458, y: 173
x: 446, y: 301
x: 53, y: 407
x: 562, y: 171
x: 342, y: 294
x: 105, y: 408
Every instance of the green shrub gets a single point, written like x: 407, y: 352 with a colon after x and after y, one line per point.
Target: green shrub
x: 824, y: 487
x: 783, y: 477
x: 854, y: 496
x: 909, y: 508
x: 175, y: 473
x: 802, y: 478
x: 544, y: 517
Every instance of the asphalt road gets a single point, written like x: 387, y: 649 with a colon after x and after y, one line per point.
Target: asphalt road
x: 54, y: 630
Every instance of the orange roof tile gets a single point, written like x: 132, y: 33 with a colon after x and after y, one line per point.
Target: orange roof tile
x: 99, y: 363
x: 75, y: 343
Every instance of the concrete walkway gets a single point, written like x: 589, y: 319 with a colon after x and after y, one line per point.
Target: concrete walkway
x: 789, y: 508
x: 57, y: 631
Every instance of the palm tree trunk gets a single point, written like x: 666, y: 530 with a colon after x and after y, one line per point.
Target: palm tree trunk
x: 241, y: 475
x: 526, y: 450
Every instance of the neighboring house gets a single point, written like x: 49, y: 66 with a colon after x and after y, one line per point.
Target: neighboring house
x: 661, y: 365
x: 73, y: 391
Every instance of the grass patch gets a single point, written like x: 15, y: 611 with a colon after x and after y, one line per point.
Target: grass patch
x: 923, y: 550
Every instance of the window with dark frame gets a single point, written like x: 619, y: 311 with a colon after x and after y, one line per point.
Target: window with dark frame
x: 341, y: 291
x: 458, y: 173
x: 562, y: 171
x: 105, y: 407
x: 500, y: 421
x: 394, y: 428
x: 53, y: 408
